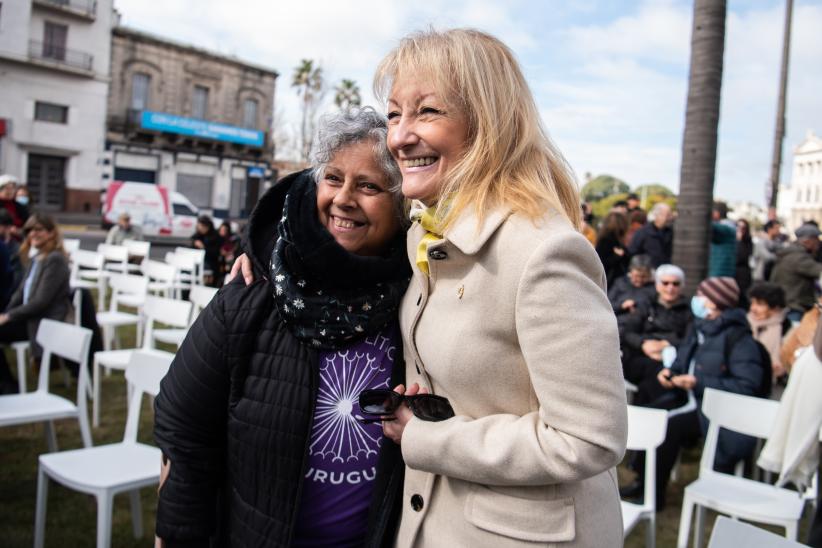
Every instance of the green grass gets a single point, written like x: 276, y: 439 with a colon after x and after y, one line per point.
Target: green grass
x: 71, y: 516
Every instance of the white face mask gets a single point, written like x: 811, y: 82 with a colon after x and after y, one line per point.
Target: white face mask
x: 698, y: 307
x: 22, y: 200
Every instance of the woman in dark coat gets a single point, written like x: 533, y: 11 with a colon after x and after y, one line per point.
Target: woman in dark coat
x: 258, y: 417
x: 744, y: 250
x: 207, y: 238
x: 611, y: 246
x: 43, y: 293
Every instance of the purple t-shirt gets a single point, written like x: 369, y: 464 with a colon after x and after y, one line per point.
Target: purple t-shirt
x: 342, y: 461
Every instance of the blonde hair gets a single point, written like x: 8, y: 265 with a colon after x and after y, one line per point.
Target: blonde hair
x: 509, y: 157
x: 48, y: 223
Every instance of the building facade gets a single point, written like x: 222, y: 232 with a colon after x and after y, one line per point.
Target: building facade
x: 192, y: 120
x: 802, y: 200
x: 54, y: 69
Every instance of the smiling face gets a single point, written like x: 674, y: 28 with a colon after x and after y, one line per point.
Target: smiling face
x: 38, y: 236
x: 426, y: 136
x: 669, y: 289
x: 354, y: 202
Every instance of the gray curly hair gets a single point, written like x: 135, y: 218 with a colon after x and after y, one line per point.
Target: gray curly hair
x: 349, y: 127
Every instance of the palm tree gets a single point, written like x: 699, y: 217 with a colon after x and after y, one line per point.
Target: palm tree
x: 693, y: 227
x: 779, y: 134
x: 308, y: 79
x: 347, y: 94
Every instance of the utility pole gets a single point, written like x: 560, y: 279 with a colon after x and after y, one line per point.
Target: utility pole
x: 779, y: 134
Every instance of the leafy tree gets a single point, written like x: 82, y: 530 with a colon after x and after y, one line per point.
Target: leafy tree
x: 652, y: 189
x: 308, y: 80
x: 602, y: 207
x: 347, y: 94
x: 693, y: 227
x: 601, y: 186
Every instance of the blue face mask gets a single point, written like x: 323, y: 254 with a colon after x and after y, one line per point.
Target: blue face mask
x: 22, y: 200
x: 698, y: 307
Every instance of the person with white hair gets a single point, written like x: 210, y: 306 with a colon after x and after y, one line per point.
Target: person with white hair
x: 655, y: 238
x: 654, y: 325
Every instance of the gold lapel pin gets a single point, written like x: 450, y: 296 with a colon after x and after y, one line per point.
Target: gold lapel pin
x: 461, y: 291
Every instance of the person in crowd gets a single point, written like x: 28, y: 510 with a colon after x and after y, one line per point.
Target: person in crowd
x: 206, y: 237
x: 633, y: 288
x: 722, y: 259
x: 123, y: 230
x: 744, y: 252
x: 19, y: 213
x: 718, y: 352
x: 632, y: 200
x: 654, y: 325
x: 620, y: 206
x: 498, y: 240
x: 257, y: 418
x: 6, y: 273
x: 796, y: 271
x: 229, y: 247
x: 44, y: 292
x: 764, y: 250
x: 655, y: 239
x: 13, y: 249
x: 22, y: 196
x: 587, y: 224
x: 611, y: 246
x: 768, y: 320
x: 799, y: 337
x: 636, y: 220
x: 506, y: 292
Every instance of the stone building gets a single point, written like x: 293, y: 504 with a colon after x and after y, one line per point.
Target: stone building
x: 54, y: 68
x: 192, y: 120
x: 802, y: 200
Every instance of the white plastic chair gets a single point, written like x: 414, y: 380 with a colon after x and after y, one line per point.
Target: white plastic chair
x: 69, y: 342
x: 137, y: 249
x: 128, y: 290
x: 200, y: 296
x: 197, y: 256
x: 736, y: 496
x: 729, y: 533
x: 162, y: 277
x: 87, y: 272
x: 168, y: 311
x: 646, y: 432
x: 108, y: 470
x: 71, y: 245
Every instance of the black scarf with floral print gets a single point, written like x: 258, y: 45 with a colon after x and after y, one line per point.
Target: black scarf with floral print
x: 326, y: 296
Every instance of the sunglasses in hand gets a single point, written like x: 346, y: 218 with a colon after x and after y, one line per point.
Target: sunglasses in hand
x: 384, y: 402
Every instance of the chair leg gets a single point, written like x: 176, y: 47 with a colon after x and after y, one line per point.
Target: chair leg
x: 107, y: 336
x: 699, y: 527
x: 85, y: 431
x: 51, y: 437
x: 685, y: 522
x: 791, y: 530
x: 40, y: 509
x: 95, y: 403
x: 136, y: 513
x: 21, y: 369
x: 104, y: 509
x: 650, y: 532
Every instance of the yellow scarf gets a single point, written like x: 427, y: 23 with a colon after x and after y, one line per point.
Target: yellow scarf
x: 430, y: 223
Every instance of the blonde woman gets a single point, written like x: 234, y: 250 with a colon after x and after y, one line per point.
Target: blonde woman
x: 506, y: 314
x: 43, y: 292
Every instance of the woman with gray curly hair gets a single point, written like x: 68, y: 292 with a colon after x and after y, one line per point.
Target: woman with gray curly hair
x: 258, y: 420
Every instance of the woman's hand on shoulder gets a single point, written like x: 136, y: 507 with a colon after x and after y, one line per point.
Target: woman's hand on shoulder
x: 242, y: 264
x: 394, y: 428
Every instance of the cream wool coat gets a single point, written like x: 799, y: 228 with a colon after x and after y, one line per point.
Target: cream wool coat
x: 514, y: 328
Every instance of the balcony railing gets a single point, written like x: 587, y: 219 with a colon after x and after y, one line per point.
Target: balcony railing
x: 81, y: 7
x: 53, y: 53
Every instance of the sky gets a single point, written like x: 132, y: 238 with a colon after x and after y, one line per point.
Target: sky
x: 610, y: 77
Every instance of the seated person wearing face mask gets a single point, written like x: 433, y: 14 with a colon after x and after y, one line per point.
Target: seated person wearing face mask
x: 718, y: 352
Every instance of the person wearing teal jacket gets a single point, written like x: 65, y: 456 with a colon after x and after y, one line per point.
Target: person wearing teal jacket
x: 723, y: 244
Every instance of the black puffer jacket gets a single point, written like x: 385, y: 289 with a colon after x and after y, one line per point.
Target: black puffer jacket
x: 653, y: 320
x: 234, y: 417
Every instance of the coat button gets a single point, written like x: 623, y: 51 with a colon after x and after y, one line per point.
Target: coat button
x: 416, y: 503
x: 437, y: 255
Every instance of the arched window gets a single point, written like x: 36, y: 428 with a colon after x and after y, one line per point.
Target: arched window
x: 140, y: 89
x: 250, y: 113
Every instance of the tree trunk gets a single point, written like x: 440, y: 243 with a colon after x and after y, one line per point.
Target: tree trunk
x: 779, y: 133
x: 692, y: 230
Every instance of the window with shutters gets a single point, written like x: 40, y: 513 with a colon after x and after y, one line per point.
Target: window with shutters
x: 49, y: 112
x: 55, y: 36
x: 199, y: 102
x: 250, y: 113
x: 140, y: 85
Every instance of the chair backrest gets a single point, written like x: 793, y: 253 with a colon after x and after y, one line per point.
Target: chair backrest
x: 201, y: 295
x: 71, y: 245
x: 646, y: 432
x: 87, y: 259
x: 70, y: 342
x: 137, y: 248
x: 127, y: 284
x: 114, y: 253
x: 197, y: 256
x: 159, y: 271
x: 729, y: 533
x: 743, y: 414
x: 173, y: 312
x: 144, y: 372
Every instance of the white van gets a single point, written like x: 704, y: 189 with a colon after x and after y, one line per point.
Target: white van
x: 157, y: 210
